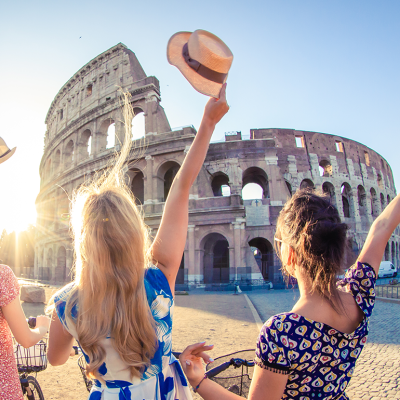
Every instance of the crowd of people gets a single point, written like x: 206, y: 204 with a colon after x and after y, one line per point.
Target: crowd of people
x: 119, y: 306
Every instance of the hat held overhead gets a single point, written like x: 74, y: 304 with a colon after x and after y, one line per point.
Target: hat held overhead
x: 5, y: 152
x: 203, y: 58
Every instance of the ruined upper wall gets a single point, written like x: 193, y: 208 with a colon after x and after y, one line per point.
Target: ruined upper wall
x: 95, y: 83
x: 353, y: 159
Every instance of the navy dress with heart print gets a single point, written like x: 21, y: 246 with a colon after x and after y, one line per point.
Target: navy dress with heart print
x: 318, y: 359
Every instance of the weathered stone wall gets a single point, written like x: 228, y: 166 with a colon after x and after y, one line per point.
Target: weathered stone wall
x: 228, y: 237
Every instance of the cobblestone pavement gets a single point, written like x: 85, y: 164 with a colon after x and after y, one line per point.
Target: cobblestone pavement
x: 377, y: 373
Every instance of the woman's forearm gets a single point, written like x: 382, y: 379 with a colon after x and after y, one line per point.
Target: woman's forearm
x: 210, y: 390
x: 195, y: 156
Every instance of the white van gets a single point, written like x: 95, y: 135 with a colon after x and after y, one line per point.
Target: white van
x: 386, y: 269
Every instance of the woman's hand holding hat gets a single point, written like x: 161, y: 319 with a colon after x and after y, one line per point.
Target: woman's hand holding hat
x: 216, y: 108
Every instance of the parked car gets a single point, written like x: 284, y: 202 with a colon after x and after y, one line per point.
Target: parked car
x: 386, y: 269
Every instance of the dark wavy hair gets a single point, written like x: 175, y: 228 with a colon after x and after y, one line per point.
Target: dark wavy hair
x: 311, y: 226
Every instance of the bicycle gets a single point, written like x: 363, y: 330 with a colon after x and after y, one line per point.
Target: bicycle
x: 29, y: 361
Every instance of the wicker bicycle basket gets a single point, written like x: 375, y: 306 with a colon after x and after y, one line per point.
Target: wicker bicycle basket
x: 32, y: 359
x: 82, y: 365
x: 236, y: 380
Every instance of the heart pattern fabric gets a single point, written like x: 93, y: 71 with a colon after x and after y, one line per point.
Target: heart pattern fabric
x: 318, y: 359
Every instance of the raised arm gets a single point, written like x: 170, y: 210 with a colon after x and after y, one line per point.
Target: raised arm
x: 379, y: 234
x: 169, y: 242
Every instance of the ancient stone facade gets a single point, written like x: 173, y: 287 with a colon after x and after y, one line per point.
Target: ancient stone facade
x: 228, y: 238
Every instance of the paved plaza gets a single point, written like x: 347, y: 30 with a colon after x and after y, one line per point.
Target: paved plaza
x: 377, y: 373
x: 227, y: 321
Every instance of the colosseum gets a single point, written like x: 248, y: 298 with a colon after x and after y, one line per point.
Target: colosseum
x: 229, y: 237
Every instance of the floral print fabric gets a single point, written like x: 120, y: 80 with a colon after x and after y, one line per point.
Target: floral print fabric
x: 164, y: 378
x: 318, y: 359
x: 10, y: 387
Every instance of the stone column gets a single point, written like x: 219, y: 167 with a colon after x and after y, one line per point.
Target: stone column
x: 193, y: 268
x: 148, y: 181
x: 237, y: 243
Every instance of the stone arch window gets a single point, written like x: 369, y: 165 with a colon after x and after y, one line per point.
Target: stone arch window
x: 325, y: 168
x: 299, y: 141
x: 382, y: 201
x: 86, y: 144
x: 89, y: 89
x: 137, y: 186
x: 255, y: 184
x: 138, y: 124
x: 362, y: 200
x: 166, y: 174
x: 56, y: 162
x: 374, y: 203
x: 264, y: 255
x: 388, y: 199
x: 61, y: 114
x: 61, y: 269
x: 339, y: 146
x: 69, y: 154
x: 382, y: 164
x: 289, y: 188
x: 329, y: 190
x: 215, y: 258
x: 220, y: 185
x: 111, y: 136
x: 345, y: 190
x: 366, y: 156
x: 307, y: 184
x: 380, y: 181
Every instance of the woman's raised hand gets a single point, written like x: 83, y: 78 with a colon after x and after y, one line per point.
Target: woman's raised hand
x: 191, y: 361
x: 216, y: 108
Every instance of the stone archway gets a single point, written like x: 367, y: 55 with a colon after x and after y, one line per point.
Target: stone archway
x: 264, y: 255
x: 216, y: 259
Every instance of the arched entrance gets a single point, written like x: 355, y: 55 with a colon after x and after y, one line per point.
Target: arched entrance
x: 216, y: 259
x: 264, y: 255
x: 137, y: 186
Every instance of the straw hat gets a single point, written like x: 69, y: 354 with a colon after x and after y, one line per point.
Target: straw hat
x: 203, y: 58
x: 5, y: 152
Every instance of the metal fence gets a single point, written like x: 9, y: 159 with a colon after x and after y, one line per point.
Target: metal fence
x: 388, y: 291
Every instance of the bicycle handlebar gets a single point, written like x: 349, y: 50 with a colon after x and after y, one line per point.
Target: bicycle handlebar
x: 236, y: 362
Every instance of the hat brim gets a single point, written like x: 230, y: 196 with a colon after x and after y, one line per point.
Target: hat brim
x: 175, y: 57
x: 7, y: 156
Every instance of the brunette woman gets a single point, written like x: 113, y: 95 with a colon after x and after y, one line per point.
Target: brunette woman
x: 311, y: 351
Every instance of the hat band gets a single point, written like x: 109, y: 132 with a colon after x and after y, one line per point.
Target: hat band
x: 202, y: 70
x: 4, y: 154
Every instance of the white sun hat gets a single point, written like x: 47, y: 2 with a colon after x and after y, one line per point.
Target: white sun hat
x: 203, y: 58
x: 5, y: 152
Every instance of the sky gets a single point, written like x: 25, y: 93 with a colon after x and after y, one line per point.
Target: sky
x: 324, y: 66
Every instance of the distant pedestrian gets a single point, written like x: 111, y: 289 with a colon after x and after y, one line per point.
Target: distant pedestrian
x: 310, y: 352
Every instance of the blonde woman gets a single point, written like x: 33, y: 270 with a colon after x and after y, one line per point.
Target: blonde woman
x: 119, y: 307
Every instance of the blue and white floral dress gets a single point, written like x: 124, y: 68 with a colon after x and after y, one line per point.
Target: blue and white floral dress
x: 164, y: 378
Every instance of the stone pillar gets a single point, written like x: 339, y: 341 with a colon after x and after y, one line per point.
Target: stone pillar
x: 193, y: 267
x: 369, y: 207
x: 339, y: 203
x: 314, y: 166
x: 148, y: 181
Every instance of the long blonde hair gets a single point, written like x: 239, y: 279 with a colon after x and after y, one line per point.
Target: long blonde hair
x: 111, y: 244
